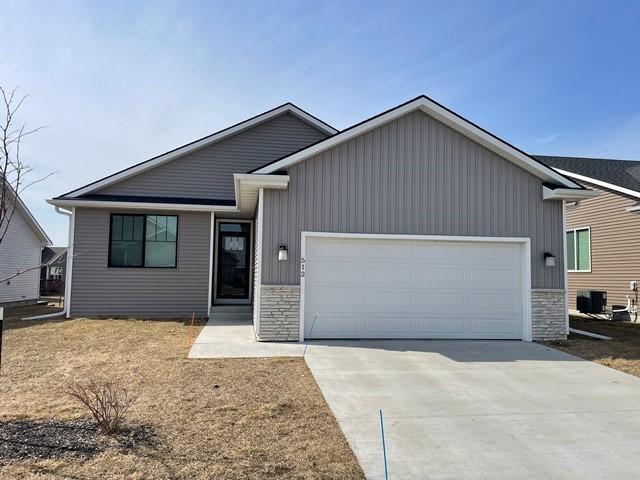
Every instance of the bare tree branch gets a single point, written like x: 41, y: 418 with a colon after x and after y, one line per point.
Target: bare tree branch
x: 22, y: 270
x: 13, y: 170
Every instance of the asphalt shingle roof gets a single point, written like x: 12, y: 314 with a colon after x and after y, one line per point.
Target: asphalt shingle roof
x: 623, y: 173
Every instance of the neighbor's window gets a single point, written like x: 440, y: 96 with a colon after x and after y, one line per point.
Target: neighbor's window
x: 579, y: 250
x: 143, y: 240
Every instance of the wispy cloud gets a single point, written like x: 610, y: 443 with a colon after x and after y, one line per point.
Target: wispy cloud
x: 547, y: 139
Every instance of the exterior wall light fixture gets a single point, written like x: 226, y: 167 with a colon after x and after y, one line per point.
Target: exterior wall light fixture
x: 549, y: 260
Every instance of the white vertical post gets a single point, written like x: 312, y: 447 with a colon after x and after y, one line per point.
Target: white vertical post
x: 211, y: 244
x: 69, y: 273
x: 564, y: 263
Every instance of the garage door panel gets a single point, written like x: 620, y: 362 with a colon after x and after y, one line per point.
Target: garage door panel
x: 341, y: 300
x: 331, y: 270
x: 336, y: 248
x: 437, y: 276
x: 435, y: 253
x: 384, y: 288
x: 383, y: 250
x: 494, y: 326
x: 329, y: 323
x: 493, y: 278
x: 387, y: 326
x: 387, y: 274
x: 495, y: 303
x: 440, y: 302
x: 387, y: 302
x: 441, y: 325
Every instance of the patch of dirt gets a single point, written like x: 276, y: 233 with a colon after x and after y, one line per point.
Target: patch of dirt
x: 53, y: 439
x: 265, y: 419
x: 622, y: 352
x: 26, y: 439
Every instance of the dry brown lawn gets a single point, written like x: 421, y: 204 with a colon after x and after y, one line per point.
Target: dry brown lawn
x: 622, y: 352
x: 226, y: 419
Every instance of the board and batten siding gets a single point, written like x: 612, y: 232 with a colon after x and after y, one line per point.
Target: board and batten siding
x: 208, y: 172
x: 413, y: 175
x: 99, y: 290
x: 615, y: 245
x: 20, y: 249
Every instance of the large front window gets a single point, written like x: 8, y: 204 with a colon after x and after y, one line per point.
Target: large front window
x: 579, y: 250
x: 143, y: 240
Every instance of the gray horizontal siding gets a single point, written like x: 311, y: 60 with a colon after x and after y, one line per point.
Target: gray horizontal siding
x: 162, y: 292
x: 20, y: 250
x: 208, y: 172
x: 413, y: 175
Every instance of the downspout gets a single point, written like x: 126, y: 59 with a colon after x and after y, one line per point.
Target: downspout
x: 67, y: 281
x: 70, y: 251
x: 565, y: 266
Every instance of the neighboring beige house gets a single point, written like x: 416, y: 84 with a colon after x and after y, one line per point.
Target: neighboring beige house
x: 603, y: 232
x: 415, y: 223
x: 21, y: 250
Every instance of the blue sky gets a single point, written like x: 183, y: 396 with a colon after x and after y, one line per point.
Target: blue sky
x: 118, y: 82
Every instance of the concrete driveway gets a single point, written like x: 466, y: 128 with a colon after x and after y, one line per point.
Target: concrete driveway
x: 480, y: 410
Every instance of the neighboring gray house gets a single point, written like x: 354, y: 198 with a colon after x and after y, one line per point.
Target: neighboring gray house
x: 20, y: 251
x: 53, y: 270
x: 415, y: 223
x: 53, y: 263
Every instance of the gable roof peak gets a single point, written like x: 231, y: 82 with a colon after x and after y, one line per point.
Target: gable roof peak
x: 443, y: 115
x: 204, y: 142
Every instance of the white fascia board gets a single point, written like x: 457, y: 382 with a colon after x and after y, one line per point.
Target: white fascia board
x: 443, y: 115
x: 255, y: 182
x: 600, y: 183
x: 241, y: 180
x: 570, y: 194
x: 140, y: 205
x: 263, y: 181
x: 216, y: 137
x: 33, y: 223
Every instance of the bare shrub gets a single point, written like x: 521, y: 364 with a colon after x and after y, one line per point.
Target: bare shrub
x: 107, y: 401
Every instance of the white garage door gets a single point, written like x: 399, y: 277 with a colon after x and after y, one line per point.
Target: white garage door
x: 395, y: 288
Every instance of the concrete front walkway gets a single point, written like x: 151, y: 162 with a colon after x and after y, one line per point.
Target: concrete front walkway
x: 236, y: 339
x: 498, y: 410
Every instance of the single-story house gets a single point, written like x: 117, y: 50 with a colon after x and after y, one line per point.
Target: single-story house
x: 20, y: 252
x: 603, y: 233
x: 415, y: 223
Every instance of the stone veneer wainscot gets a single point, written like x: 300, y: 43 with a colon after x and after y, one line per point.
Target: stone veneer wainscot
x: 279, y: 313
x: 548, y: 314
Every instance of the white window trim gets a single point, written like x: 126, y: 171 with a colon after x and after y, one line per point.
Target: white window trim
x: 527, y: 326
x: 575, y: 250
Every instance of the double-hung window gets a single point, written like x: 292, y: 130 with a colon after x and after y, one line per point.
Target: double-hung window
x: 143, y: 240
x: 579, y: 250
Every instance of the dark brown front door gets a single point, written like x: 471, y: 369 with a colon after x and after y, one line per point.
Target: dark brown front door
x: 233, y: 261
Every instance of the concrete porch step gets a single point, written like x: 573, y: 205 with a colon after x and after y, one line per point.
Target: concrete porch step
x: 231, y: 314
x: 231, y: 309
